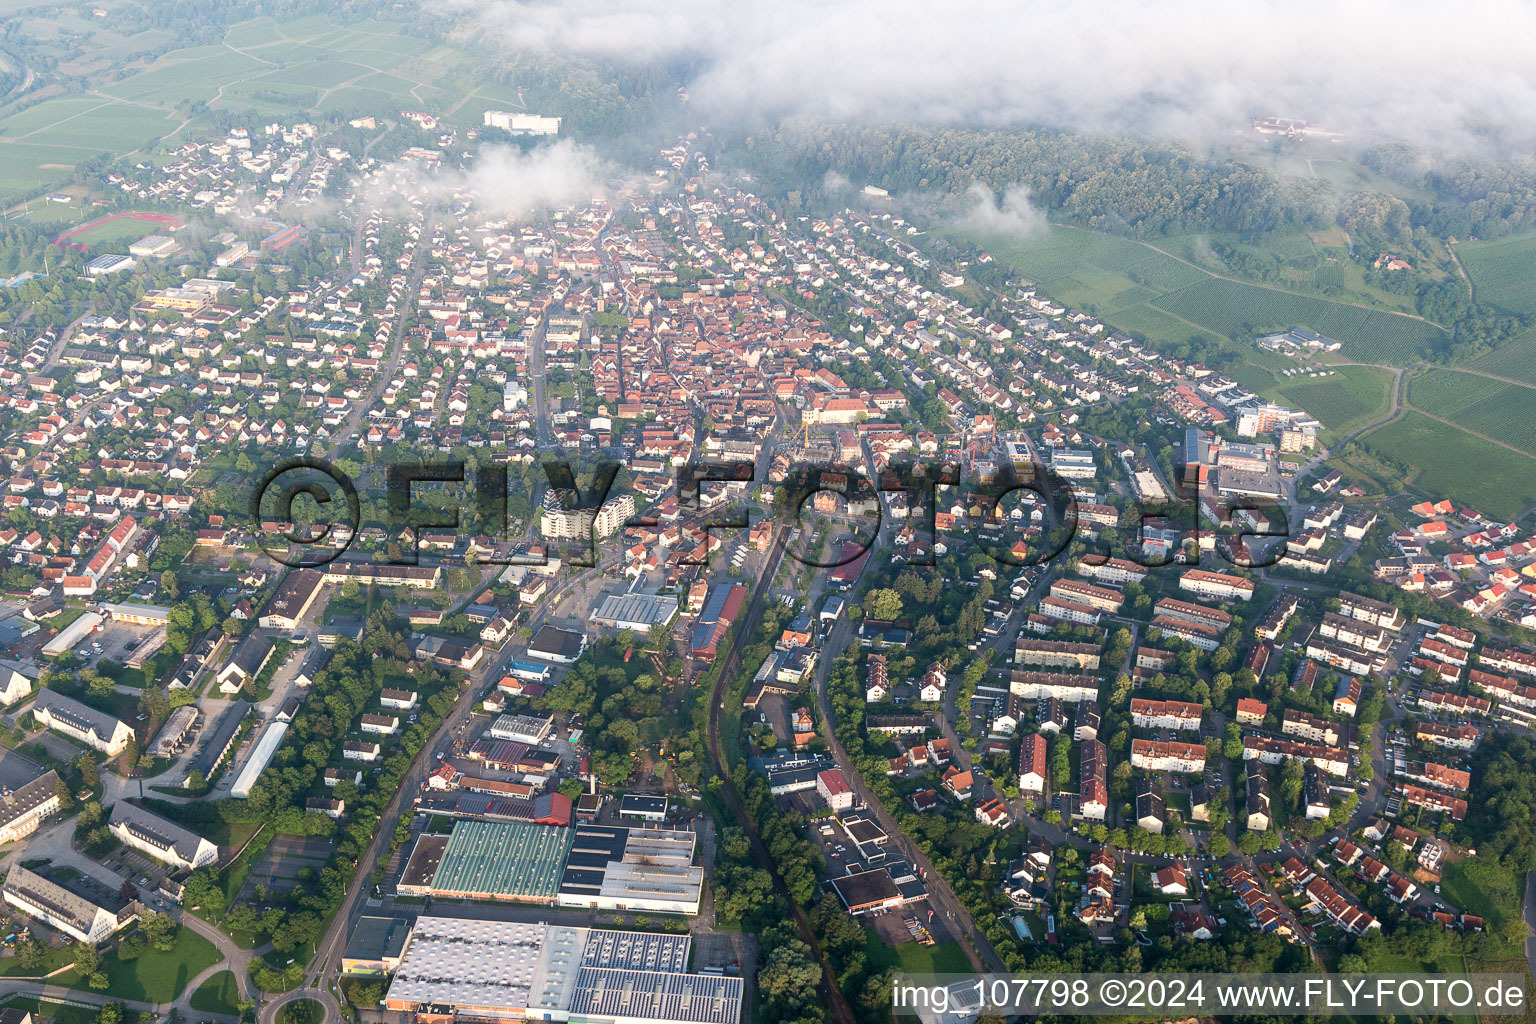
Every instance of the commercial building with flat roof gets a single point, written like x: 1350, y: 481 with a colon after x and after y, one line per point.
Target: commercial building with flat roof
x: 513, y: 970
x: 557, y: 645
x: 513, y: 861
x: 521, y: 728
x: 879, y: 889
x: 154, y: 245
x: 612, y: 867
x: 637, y: 612
x: 643, y: 807
x: 376, y: 946
x: 521, y: 123
x: 111, y: 263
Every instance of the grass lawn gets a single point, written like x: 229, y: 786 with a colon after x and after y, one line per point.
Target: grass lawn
x: 300, y: 1011
x: 914, y: 958
x: 235, y: 874
x: 219, y: 994
x: 1486, y: 890
x: 11, y: 967
x: 58, y: 1013
x: 155, y: 977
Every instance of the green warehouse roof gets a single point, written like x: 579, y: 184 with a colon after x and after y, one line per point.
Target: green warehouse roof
x: 503, y: 860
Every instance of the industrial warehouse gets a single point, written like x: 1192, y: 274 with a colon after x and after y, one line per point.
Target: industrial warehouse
x: 511, y: 970
x: 603, y: 867
x: 637, y: 612
x: 482, y: 860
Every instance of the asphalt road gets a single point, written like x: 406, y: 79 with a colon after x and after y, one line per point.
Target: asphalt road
x: 746, y: 627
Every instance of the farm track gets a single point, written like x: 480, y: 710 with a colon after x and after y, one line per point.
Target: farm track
x: 1398, y: 399
x: 1468, y: 430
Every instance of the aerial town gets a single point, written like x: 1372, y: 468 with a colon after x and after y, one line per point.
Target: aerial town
x: 736, y: 607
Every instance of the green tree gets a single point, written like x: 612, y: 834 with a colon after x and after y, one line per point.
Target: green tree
x: 32, y: 954
x: 883, y: 605
x: 160, y: 930
x: 87, y: 958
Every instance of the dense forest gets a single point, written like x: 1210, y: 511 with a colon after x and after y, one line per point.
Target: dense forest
x: 1110, y: 184
x: 1503, y: 813
x: 1468, y: 197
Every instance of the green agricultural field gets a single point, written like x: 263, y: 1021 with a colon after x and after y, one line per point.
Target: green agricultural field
x: 1162, y: 274
x: 319, y: 74
x: 1160, y: 327
x: 1515, y: 359
x: 1138, y: 288
x: 33, y: 119
x: 1063, y: 251
x: 25, y: 167
x: 1505, y: 412
x: 253, y: 34
x: 1345, y: 400
x: 1504, y: 271
x: 275, y: 69
x: 492, y: 96
x: 186, y: 74
x: 1103, y: 291
x: 1311, y: 263
x: 1454, y: 464
x: 115, y: 127
x: 350, y: 98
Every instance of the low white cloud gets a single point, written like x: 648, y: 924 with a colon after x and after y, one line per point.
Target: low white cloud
x: 1416, y: 70
x: 835, y: 182
x: 503, y: 181
x: 516, y: 184
x: 1010, y: 213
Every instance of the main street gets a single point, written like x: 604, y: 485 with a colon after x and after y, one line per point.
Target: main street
x: 320, y: 980
x: 941, y: 897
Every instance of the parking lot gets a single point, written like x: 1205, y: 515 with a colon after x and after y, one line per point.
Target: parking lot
x: 282, y: 861
x: 115, y: 640
x: 723, y: 951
